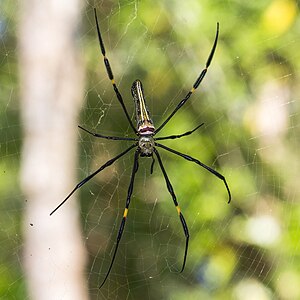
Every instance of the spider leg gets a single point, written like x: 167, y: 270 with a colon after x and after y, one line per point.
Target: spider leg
x: 172, y: 137
x: 172, y: 193
x: 121, y: 229
x: 81, y: 183
x: 195, y: 85
x: 198, y: 162
x: 152, y: 165
x: 110, y: 73
x: 116, y: 138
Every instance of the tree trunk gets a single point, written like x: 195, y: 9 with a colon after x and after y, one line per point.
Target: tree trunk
x: 51, y: 75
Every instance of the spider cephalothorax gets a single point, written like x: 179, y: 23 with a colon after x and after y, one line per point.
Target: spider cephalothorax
x: 146, y: 145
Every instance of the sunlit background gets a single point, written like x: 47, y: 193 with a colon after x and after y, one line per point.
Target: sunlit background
x: 249, y: 102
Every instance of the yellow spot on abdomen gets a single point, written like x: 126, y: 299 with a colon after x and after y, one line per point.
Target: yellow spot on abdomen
x: 178, y: 209
x: 193, y: 90
x: 125, y: 213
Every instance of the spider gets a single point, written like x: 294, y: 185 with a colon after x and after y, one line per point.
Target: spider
x: 146, y: 144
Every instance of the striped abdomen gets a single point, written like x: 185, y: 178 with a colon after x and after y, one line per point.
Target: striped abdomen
x: 143, y: 119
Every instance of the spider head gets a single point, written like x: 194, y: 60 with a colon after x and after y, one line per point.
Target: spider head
x: 146, y: 145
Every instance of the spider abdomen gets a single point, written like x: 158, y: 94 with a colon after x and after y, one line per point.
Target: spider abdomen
x: 142, y: 115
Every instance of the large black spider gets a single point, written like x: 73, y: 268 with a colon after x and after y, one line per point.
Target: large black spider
x: 146, y: 144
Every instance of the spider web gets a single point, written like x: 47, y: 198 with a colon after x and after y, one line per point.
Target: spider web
x: 249, y: 104
x: 153, y: 243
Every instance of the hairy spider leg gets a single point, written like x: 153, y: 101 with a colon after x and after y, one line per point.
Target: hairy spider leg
x: 201, y: 164
x: 172, y: 193
x: 178, y: 136
x: 108, y: 137
x: 121, y: 229
x: 110, y: 73
x: 81, y: 183
x: 195, y: 85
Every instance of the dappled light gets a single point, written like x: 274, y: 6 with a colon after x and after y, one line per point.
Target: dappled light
x: 249, y: 104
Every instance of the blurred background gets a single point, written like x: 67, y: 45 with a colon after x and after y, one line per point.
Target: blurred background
x: 52, y: 78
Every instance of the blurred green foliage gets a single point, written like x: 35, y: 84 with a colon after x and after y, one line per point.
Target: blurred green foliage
x: 249, y: 102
